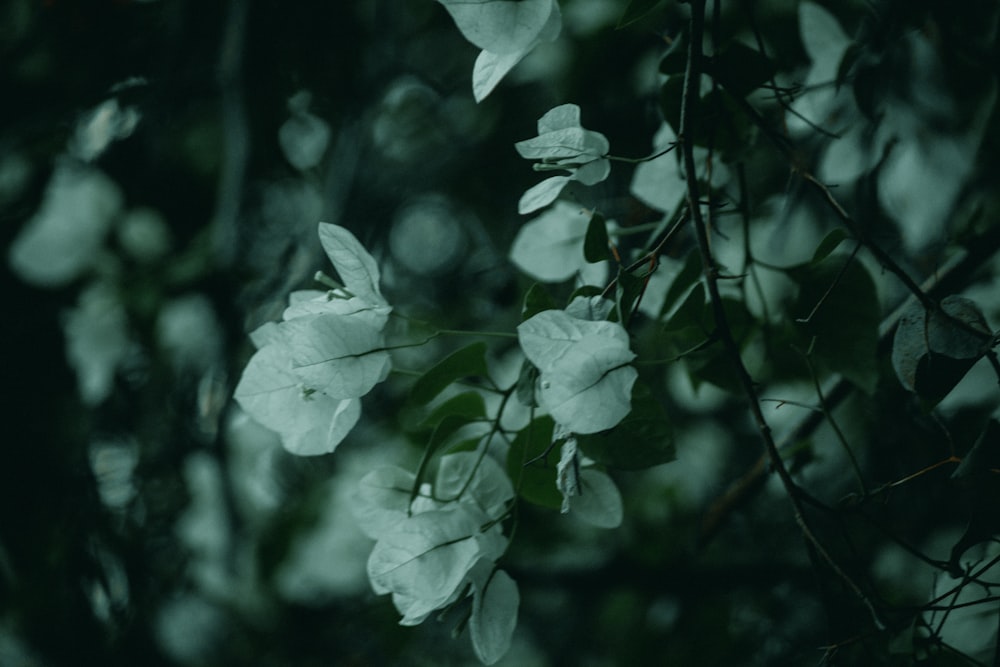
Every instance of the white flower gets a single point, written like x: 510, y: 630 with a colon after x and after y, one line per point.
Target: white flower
x: 585, y: 380
x: 311, y: 369
x: 562, y: 144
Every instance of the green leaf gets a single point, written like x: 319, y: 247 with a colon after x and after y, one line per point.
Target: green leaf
x: 526, y: 379
x: 721, y: 124
x: 838, y: 299
x: 595, y: 245
x: 710, y: 363
x: 674, y: 61
x: 741, y: 69
x: 627, y: 290
x: 978, y: 478
x: 535, y: 301
x: 636, y: 10
x: 932, y: 354
x: 692, y: 313
x: 642, y: 440
x: 829, y: 243
x: 689, y: 276
x: 671, y: 94
x: 465, y: 362
x: 585, y: 291
x: 535, y: 481
x: 468, y: 405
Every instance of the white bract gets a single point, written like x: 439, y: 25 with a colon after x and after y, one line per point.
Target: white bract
x: 599, y: 502
x: 304, y: 137
x: 562, y: 144
x: 97, y: 340
x: 443, y: 544
x: 64, y: 238
x: 659, y: 183
x: 585, y: 381
x: 549, y: 248
x: 311, y: 369
x: 590, y: 493
x: 494, y: 614
x: 825, y: 42
x: 506, y: 31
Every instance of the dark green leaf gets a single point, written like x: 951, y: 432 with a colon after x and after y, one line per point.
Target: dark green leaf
x: 979, y: 479
x: 525, y: 390
x: 829, y: 244
x: 721, y: 124
x: 595, y: 245
x: 536, y: 301
x: 468, y: 405
x: 847, y: 63
x: 671, y: 94
x: 535, y: 481
x: 585, y: 291
x: 692, y: 313
x: 710, y: 363
x: 467, y: 445
x: 741, y: 69
x: 642, y: 440
x: 689, y: 276
x: 465, y: 362
x: 627, y: 290
x: 932, y: 354
x: 674, y: 61
x: 636, y: 10
x: 837, y: 298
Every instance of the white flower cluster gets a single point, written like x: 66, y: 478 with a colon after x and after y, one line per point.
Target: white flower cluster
x: 563, y: 144
x: 435, y: 548
x: 311, y: 369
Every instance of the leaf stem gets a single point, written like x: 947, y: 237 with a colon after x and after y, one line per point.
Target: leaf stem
x: 638, y: 160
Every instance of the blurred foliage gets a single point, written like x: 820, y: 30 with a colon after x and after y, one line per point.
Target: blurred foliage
x: 148, y: 522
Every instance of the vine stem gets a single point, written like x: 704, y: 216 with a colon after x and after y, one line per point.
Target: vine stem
x: 692, y: 80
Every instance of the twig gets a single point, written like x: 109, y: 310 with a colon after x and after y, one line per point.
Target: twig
x: 948, y: 279
x: 692, y: 77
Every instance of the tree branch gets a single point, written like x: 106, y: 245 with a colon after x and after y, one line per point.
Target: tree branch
x: 692, y: 80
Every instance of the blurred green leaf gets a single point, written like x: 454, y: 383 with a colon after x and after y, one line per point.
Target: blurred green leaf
x: 536, y: 300
x: 839, y: 305
x: 468, y: 405
x: 636, y: 10
x: 465, y: 362
x: 741, y: 69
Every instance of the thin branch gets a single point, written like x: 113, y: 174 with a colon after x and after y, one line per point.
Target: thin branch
x: 833, y: 285
x: 692, y: 78
x: 949, y: 278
